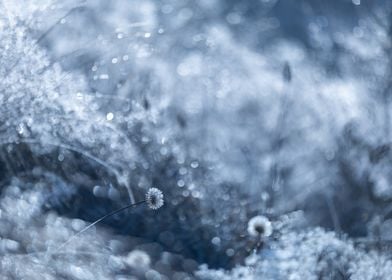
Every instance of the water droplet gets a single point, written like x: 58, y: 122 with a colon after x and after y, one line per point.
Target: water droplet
x: 185, y: 193
x: 20, y: 128
x: 167, y: 9
x: 216, y: 241
x: 109, y: 116
x: 183, y: 171
x: 233, y: 18
x: 230, y: 252
x: 60, y: 157
x: 164, y: 151
x: 196, y: 194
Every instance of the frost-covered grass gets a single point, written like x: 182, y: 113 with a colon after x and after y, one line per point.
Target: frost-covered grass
x: 266, y: 124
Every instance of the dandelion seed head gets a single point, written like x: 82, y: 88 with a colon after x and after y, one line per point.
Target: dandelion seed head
x: 154, y: 198
x: 259, y: 226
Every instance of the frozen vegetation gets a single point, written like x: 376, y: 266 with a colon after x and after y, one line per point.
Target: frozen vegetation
x: 266, y: 124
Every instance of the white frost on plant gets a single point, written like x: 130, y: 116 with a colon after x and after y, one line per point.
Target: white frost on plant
x: 311, y: 254
x: 259, y: 226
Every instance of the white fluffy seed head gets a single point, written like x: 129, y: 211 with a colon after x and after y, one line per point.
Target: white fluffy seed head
x: 259, y: 226
x: 154, y: 198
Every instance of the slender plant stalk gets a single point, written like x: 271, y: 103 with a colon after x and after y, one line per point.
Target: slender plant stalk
x: 99, y: 220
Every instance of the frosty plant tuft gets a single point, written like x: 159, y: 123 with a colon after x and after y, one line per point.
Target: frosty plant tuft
x: 154, y: 198
x: 259, y: 226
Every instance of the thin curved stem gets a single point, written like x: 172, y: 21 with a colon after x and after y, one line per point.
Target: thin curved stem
x: 97, y: 221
